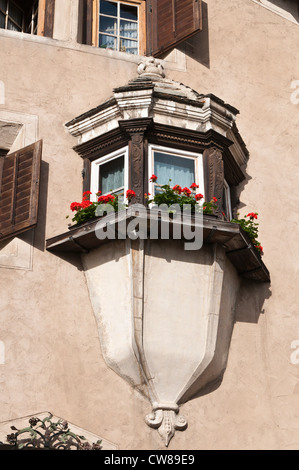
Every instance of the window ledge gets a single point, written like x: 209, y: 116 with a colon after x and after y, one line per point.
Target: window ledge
x: 239, y: 248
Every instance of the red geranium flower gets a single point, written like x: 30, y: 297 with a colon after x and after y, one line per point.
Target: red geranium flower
x: 86, y: 193
x: 186, y: 191
x: 107, y: 198
x: 85, y: 204
x: 215, y: 199
x: 75, y: 206
x: 198, y: 197
x: 130, y: 193
x: 177, y: 189
x: 252, y: 215
x: 194, y: 186
x: 153, y: 178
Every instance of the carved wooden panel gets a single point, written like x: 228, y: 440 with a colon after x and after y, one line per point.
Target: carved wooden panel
x: 214, y: 176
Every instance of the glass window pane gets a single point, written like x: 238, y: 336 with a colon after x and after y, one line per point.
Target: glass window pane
x: 131, y: 47
x: 3, y: 5
x: 2, y: 20
x: 180, y: 170
x: 128, y: 29
x: 129, y: 12
x: 108, y: 8
x: 108, y: 25
x: 13, y: 26
x: 108, y: 42
x: 15, y: 14
x: 111, y: 175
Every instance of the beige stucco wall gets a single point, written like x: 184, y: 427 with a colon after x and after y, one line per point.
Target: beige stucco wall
x: 248, y: 57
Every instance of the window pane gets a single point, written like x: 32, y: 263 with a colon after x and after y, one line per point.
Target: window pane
x: 3, y: 5
x: 108, y: 8
x: 111, y: 175
x: 129, y: 12
x: 108, y: 25
x: 128, y: 29
x: 180, y: 170
x: 15, y: 14
x: 131, y: 47
x: 13, y: 26
x: 2, y: 20
x: 108, y: 42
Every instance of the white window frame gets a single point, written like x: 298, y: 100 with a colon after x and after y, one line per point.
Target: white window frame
x: 227, y: 195
x: 94, y: 178
x: 198, y: 167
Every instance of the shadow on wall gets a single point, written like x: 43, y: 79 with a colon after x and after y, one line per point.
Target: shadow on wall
x: 249, y: 305
x: 289, y: 6
x: 197, y: 47
x: 40, y: 231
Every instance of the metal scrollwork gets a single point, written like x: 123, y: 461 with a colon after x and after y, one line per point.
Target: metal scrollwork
x: 45, y: 434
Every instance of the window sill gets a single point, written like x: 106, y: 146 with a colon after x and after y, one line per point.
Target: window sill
x: 239, y: 249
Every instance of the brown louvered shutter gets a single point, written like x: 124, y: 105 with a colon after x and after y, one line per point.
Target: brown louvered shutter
x: 170, y: 22
x: 19, y: 190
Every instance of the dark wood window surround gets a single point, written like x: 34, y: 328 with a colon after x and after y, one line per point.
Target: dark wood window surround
x: 218, y: 162
x: 137, y: 134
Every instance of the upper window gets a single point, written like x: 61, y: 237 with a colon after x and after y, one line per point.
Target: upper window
x: 14, y: 15
x: 118, y: 26
x: 182, y: 168
x: 139, y: 26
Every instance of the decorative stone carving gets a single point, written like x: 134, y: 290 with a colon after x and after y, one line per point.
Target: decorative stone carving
x: 165, y: 418
x: 151, y: 67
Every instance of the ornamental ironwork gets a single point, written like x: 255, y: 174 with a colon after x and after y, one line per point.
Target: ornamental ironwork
x: 46, y: 434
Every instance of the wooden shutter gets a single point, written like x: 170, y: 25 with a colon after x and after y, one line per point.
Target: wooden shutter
x: 49, y: 18
x: 46, y: 11
x: 19, y: 190
x: 170, y: 22
x: 87, y: 18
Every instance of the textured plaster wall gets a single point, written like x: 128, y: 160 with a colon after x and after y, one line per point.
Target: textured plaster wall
x: 247, y: 56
